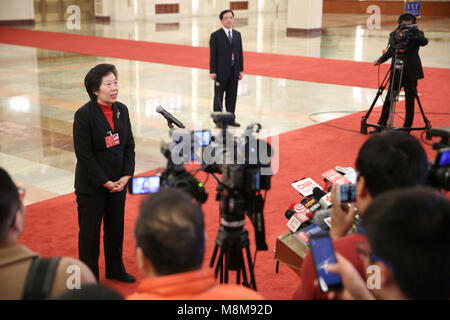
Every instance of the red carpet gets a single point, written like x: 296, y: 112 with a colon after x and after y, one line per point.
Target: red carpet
x: 343, y: 72
x: 51, y: 226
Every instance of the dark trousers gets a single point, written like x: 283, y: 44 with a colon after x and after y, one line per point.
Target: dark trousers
x: 410, y: 87
x: 92, y: 209
x: 228, y: 86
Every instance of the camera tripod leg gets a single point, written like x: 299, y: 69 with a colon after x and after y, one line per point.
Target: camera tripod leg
x: 425, y: 120
x: 250, y: 267
x: 383, y: 85
x: 231, y: 257
x: 219, y: 266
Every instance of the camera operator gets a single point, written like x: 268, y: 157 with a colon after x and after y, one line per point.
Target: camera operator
x: 404, y: 43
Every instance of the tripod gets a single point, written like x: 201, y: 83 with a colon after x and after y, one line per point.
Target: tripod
x: 232, y: 239
x: 394, y: 77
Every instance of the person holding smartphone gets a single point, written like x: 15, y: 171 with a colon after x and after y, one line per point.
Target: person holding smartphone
x: 387, y: 161
x: 104, y: 148
x: 407, y: 243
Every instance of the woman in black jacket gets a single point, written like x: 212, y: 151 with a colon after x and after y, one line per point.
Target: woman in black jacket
x: 104, y: 147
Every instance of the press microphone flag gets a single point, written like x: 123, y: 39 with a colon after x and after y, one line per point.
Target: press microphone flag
x: 335, y: 177
x: 305, y: 186
x: 298, y: 214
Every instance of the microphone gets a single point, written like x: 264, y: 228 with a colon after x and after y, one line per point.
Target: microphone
x: 323, y: 198
x: 289, y: 213
x: 311, y: 204
x: 169, y: 117
x: 298, y: 215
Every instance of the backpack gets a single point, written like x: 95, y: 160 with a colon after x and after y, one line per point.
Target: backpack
x: 41, y: 275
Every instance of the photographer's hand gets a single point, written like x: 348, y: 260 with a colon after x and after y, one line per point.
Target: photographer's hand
x: 353, y: 286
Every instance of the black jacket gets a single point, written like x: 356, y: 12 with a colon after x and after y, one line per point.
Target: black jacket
x: 220, y: 54
x: 97, y: 164
x: 412, y: 66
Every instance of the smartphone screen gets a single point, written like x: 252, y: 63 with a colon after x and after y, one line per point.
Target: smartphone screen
x: 346, y: 193
x: 323, y: 254
x: 201, y: 138
x: 444, y: 158
x: 143, y: 185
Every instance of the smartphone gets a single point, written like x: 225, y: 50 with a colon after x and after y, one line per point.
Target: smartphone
x: 201, y: 138
x: 346, y: 193
x: 143, y: 185
x: 322, y: 252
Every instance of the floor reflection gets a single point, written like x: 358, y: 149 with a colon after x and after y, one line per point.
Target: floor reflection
x: 41, y: 89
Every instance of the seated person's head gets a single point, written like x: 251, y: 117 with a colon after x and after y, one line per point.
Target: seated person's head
x: 388, y: 161
x: 11, y: 210
x: 408, y: 239
x: 169, y: 234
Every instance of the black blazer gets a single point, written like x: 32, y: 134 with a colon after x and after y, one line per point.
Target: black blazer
x: 220, y: 54
x: 412, y: 66
x: 97, y: 164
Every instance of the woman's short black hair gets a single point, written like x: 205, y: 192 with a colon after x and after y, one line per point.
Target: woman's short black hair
x: 225, y: 12
x: 94, y: 77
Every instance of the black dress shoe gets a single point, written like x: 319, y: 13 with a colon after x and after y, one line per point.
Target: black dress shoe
x: 124, y: 277
x: 235, y: 124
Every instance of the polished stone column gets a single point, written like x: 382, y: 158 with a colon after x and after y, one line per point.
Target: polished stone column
x: 304, y: 17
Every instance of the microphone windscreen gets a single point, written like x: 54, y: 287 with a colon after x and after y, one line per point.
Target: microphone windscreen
x: 318, y: 193
x: 159, y: 109
x: 289, y: 213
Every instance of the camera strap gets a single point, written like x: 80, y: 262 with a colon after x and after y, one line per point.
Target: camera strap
x: 260, y: 232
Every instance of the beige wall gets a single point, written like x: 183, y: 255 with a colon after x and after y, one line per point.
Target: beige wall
x: 16, y: 10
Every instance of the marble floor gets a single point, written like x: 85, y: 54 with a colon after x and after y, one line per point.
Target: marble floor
x: 41, y: 89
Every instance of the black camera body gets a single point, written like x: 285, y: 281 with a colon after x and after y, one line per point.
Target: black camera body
x: 403, y: 34
x: 243, y: 162
x: 439, y: 169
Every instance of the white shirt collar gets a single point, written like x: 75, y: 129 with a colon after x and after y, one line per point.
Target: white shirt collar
x: 226, y: 31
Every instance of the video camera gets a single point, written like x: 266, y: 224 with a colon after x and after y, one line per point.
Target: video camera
x: 439, y: 169
x: 402, y: 35
x: 244, y: 163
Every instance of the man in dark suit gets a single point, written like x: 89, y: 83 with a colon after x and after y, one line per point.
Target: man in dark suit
x: 226, y: 63
x: 408, y: 52
x: 104, y: 148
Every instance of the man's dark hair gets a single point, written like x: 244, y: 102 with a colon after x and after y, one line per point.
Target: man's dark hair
x: 391, y: 160
x: 9, y: 203
x: 408, y: 228
x: 225, y: 12
x: 170, y: 232
x: 94, y: 77
x: 406, y: 17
